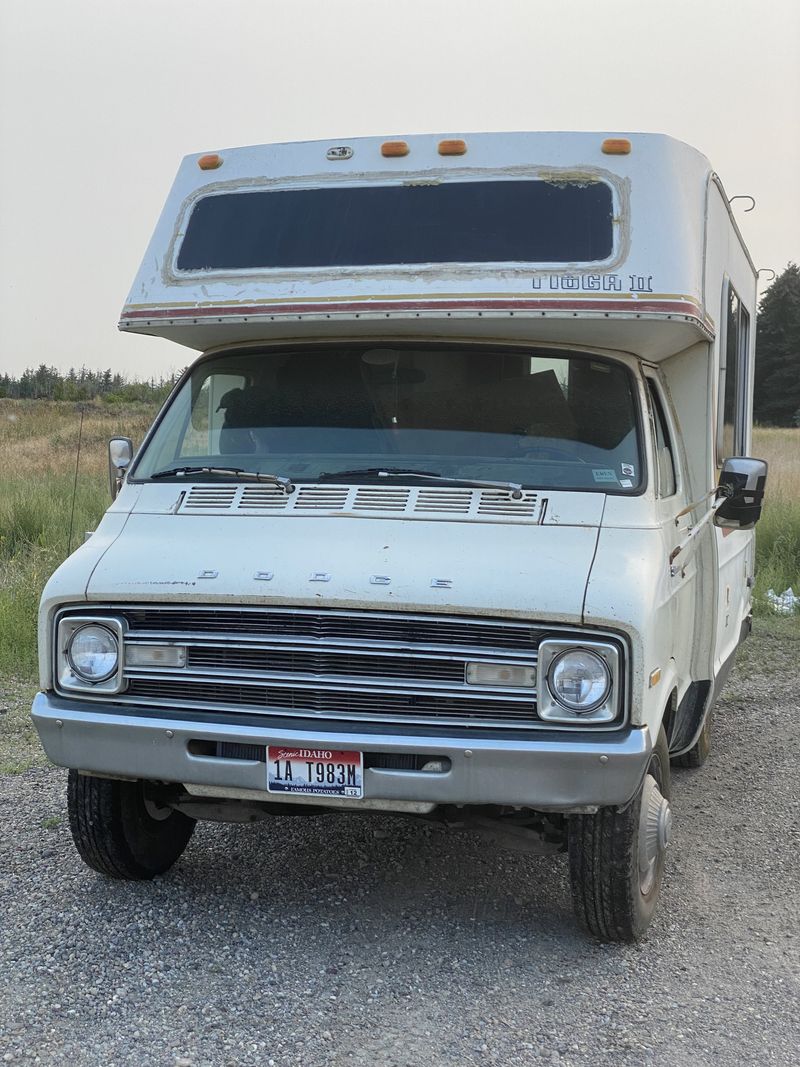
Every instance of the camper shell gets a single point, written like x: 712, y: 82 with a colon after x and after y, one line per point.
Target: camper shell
x: 370, y: 616
x: 651, y: 271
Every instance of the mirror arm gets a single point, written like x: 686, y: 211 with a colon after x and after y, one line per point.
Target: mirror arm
x: 726, y: 489
x: 726, y: 492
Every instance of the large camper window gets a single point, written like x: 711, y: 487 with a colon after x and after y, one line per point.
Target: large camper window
x: 341, y: 414
x: 361, y: 226
x: 733, y: 378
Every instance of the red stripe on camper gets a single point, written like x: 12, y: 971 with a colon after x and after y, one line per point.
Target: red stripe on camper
x: 670, y: 307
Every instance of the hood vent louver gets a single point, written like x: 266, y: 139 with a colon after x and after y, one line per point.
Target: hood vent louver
x: 379, y: 498
x: 496, y: 502
x: 320, y: 498
x: 454, y: 503
x: 211, y: 497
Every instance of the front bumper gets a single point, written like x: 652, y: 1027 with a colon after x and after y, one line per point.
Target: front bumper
x: 555, y: 772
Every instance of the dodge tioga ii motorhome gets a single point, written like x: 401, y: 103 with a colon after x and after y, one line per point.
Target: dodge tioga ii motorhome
x: 450, y: 517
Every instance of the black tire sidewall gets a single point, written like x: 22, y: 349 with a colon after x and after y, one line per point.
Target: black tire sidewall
x: 115, y: 834
x: 153, y: 844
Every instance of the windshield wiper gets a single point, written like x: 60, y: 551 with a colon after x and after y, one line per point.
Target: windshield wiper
x: 429, y: 476
x: 286, y: 484
x: 373, y: 472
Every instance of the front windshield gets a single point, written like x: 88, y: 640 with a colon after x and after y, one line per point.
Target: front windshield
x: 342, y: 413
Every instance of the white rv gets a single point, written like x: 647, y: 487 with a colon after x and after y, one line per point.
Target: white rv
x: 450, y: 517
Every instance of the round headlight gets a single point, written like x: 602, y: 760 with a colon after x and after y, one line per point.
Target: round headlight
x: 579, y: 680
x: 93, y: 653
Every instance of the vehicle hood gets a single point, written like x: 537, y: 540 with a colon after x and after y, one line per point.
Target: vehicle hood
x: 351, y: 562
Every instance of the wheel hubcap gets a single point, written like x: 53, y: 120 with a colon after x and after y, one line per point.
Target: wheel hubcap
x: 655, y: 823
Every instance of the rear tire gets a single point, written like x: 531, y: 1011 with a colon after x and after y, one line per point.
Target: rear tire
x: 698, y: 753
x: 118, y: 833
x: 616, y: 857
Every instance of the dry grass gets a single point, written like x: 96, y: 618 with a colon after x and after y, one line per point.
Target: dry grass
x: 38, y: 447
x: 781, y: 449
x: 778, y: 533
x: 40, y: 438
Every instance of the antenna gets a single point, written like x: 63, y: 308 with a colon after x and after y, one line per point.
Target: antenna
x: 75, y: 483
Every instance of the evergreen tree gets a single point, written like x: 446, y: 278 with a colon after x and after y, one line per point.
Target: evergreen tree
x: 777, y: 374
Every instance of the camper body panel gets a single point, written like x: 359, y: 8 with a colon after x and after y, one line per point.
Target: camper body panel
x: 658, y: 194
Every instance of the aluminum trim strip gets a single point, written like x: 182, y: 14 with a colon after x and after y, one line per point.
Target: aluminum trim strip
x: 487, y: 622
x: 333, y: 683
x: 340, y: 647
x: 476, y: 722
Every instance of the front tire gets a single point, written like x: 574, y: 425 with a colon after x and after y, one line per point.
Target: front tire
x: 616, y: 857
x: 119, y: 833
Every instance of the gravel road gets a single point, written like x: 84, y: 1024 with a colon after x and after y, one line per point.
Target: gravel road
x: 345, y: 941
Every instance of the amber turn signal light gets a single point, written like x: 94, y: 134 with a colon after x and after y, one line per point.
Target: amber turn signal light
x: 210, y: 162
x: 616, y: 146
x: 455, y: 147
x: 394, y: 148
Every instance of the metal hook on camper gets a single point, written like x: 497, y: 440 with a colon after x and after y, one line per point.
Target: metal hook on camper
x: 744, y: 196
x: 767, y: 270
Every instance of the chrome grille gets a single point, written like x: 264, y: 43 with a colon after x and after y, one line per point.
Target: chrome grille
x: 340, y: 665
x: 338, y: 703
x: 308, y: 661
x: 352, y: 628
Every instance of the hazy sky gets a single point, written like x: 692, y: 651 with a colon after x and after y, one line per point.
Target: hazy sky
x: 99, y: 99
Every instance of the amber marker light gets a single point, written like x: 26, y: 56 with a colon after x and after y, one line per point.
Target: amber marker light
x: 616, y: 146
x: 455, y: 147
x: 210, y: 162
x: 394, y: 148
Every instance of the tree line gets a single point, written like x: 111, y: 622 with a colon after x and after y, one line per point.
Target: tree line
x: 47, y: 383
x: 777, y: 372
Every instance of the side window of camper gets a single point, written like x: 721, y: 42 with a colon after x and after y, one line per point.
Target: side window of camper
x: 665, y: 456
x: 733, y: 378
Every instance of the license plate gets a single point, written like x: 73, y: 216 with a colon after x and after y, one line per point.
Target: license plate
x: 316, y: 772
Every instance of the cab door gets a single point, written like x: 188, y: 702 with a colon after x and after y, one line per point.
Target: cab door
x: 669, y: 476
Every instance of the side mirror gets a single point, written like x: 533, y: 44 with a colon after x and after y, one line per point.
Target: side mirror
x: 745, y: 479
x: 120, y: 454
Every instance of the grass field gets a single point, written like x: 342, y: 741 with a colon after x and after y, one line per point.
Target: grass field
x: 778, y: 532
x: 38, y: 443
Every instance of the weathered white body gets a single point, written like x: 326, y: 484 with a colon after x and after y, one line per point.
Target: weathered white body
x: 588, y: 562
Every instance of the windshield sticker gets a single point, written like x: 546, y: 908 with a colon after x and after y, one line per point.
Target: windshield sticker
x: 628, y: 469
x: 604, y: 474
x: 626, y: 483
